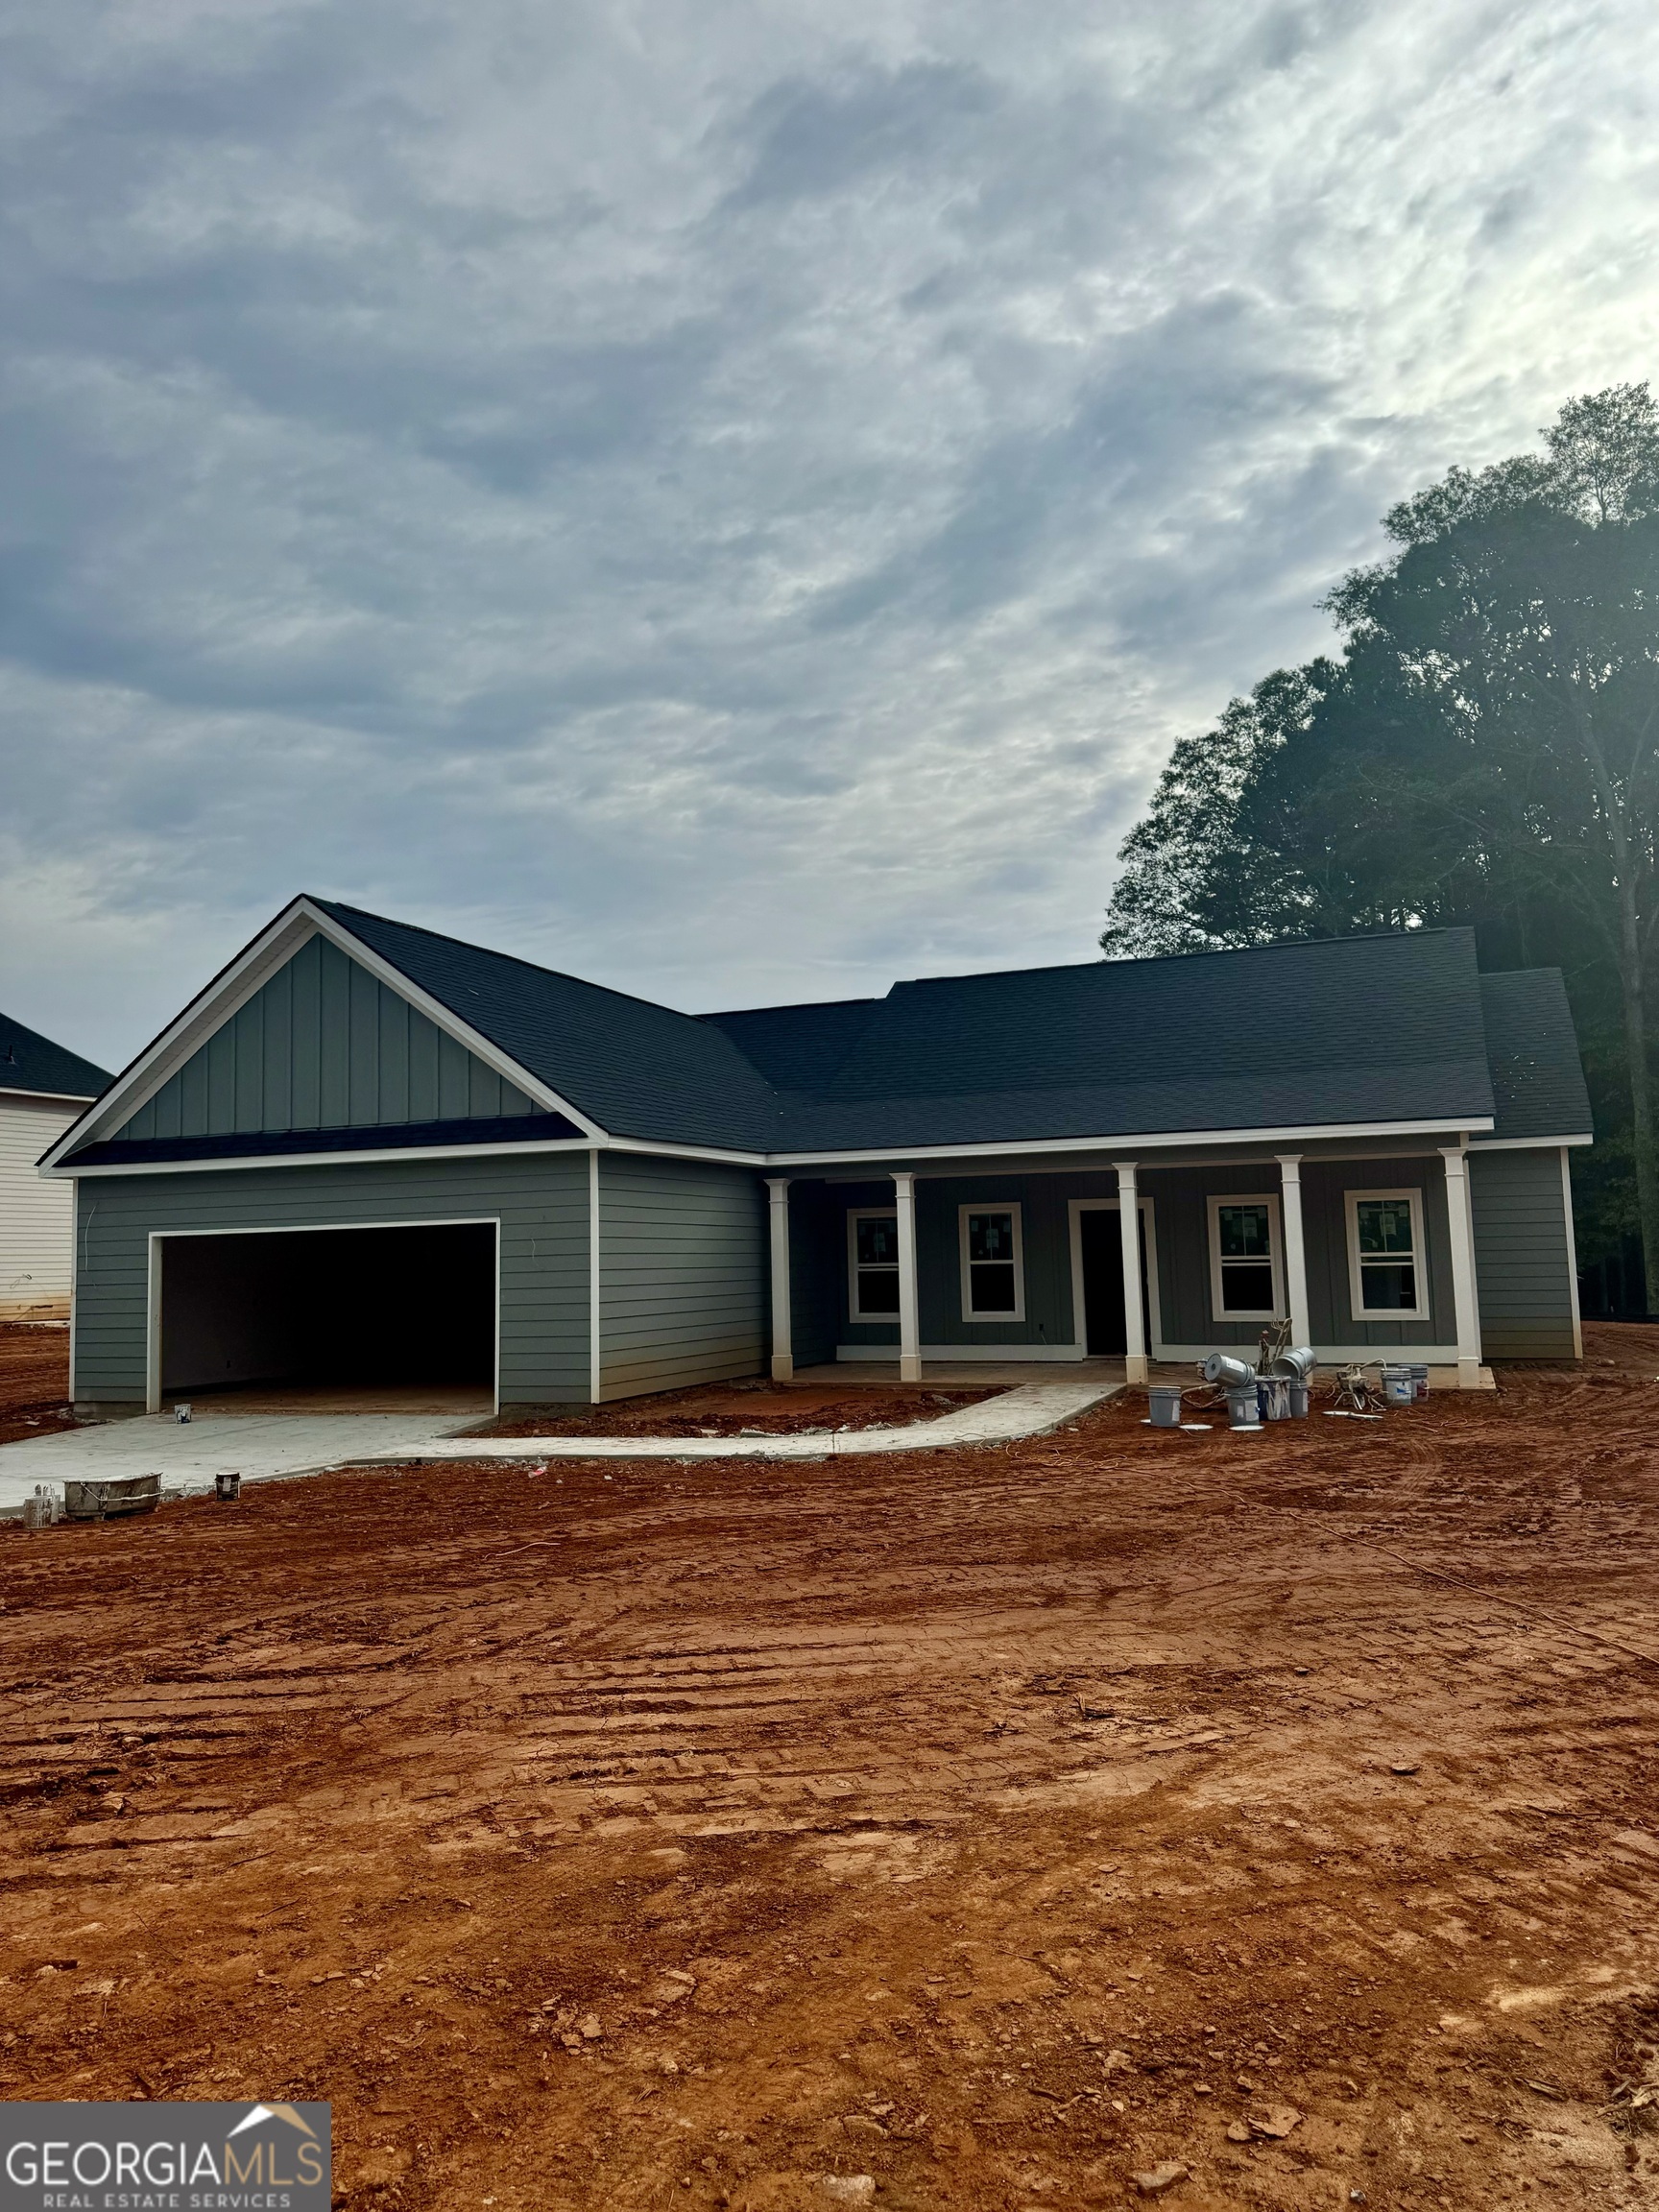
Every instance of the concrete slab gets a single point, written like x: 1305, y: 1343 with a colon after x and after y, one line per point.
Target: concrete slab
x: 265, y: 1448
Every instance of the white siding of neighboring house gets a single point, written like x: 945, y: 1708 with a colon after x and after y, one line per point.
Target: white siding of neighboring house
x: 36, y: 1217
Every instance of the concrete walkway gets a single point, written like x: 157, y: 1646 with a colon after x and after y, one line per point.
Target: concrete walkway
x: 266, y: 1446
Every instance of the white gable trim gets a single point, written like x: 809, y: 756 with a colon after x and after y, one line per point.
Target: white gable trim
x: 232, y: 989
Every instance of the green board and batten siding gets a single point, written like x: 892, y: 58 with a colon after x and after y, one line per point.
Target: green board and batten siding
x: 683, y: 1274
x: 1523, y: 1256
x: 541, y: 1201
x: 324, y: 1045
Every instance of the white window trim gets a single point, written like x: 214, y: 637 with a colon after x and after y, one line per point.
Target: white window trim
x: 991, y: 1206
x: 855, y: 1214
x: 1219, y: 1314
x: 1358, y: 1309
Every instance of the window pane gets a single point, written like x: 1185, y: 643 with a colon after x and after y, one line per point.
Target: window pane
x: 1388, y: 1287
x: 878, y: 1235
x: 1246, y: 1287
x: 990, y: 1237
x: 877, y: 1290
x: 1385, y: 1224
x: 991, y: 1285
x: 1244, y: 1233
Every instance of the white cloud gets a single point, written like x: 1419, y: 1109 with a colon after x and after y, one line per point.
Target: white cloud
x: 733, y: 500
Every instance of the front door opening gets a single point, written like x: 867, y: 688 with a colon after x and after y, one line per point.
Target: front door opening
x: 394, y: 1313
x: 1106, y: 1334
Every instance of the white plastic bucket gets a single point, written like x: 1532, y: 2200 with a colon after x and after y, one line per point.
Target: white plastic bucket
x: 1242, y: 1409
x: 1164, y: 1401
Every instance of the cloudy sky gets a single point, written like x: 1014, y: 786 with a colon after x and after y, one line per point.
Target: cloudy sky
x: 733, y: 499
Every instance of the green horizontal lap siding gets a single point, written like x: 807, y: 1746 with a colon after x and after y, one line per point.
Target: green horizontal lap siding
x: 683, y: 1274
x: 324, y: 1045
x: 1522, y: 1254
x: 539, y: 1199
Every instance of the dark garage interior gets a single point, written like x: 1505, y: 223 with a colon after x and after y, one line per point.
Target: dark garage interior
x: 320, y: 1308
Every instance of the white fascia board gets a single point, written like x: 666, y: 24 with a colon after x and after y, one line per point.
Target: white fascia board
x: 1162, y: 1139
x: 211, y: 1007
x: 446, y: 1019
x: 8, y: 1094
x: 346, y: 1158
x: 719, y: 1157
x: 232, y: 989
x: 1528, y: 1143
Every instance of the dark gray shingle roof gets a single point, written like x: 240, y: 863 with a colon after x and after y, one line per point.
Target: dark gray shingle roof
x: 1353, y: 1029
x: 30, y: 1061
x: 636, y: 1069
x: 1537, y: 1077
x: 1309, y: 1035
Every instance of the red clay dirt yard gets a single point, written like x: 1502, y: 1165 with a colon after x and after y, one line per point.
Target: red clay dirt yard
x: 1118, y: 1815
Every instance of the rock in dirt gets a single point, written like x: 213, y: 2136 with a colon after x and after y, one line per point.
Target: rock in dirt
x: 1160, y: 2178
x: 1276, y: 2123
x: 1237, y: 2132
x: 849, y: 2188
x: 589, y: 2026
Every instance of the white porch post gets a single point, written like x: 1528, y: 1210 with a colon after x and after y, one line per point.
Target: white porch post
x: 1134, y: 1315
x: 783, y: 1342
x: 909, y: 1323
x: 1295, y: 1251
x: 1464, y: 1300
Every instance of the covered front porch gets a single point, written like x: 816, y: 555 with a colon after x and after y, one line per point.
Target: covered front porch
x: 961, y: 1269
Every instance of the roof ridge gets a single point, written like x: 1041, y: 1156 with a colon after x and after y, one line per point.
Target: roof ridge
x: 791, y: 1006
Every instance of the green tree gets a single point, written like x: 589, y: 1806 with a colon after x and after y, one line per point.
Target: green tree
x: 1486, y: 750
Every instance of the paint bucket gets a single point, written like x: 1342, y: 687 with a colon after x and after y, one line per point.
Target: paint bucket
x: 1419, y: 1374
x: 1398, y: 1387
x: 226, y: 1489
x: 1274, y: 1393
x: 1233, y: 1374
x: 112, y: 1500
x: 1295, y: 1367
x: 1242, y: 1409
x: 1298, y: 1401
x: 1165, y: 1404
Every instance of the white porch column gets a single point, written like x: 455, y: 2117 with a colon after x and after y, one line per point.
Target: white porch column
x: 1295, y: 1251
x: 909, y: 1323
x: 1134, y: 1313
x: 1465, y: 1304
x: 783, y: 1342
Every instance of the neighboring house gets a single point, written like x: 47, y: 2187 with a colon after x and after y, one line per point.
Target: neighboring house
x: 368, y: 1154
x: 43, y: 1089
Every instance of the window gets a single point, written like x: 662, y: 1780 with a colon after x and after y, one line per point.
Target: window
x: 1246, y: 1280
x: 873, y: 1264
x: 1386, y: 1271
x: 993, y: 1263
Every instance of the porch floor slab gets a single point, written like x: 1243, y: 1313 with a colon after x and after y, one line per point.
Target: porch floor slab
x: 268, y: 1447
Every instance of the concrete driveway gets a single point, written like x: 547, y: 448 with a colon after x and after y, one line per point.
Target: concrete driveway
x: 263, y: 1447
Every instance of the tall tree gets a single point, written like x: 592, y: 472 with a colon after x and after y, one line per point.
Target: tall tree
x: 1486, y: 750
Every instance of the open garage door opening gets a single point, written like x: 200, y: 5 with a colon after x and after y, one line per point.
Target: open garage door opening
x: 365, y: 1319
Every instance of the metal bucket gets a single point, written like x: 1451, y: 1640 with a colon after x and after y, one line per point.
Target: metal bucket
x: 1398, y: 1387
x: 1242, y: 1409
x: 1233, y: 1374
x: 1165, y: 1403
x: 112, y: 1500
x: 1273, y: 1392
